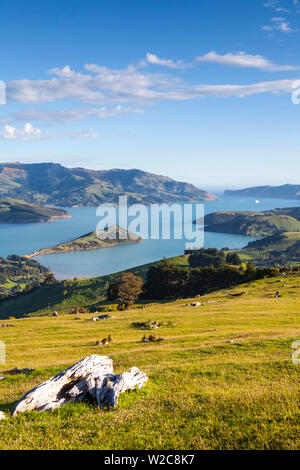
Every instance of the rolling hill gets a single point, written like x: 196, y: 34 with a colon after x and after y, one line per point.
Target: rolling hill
x: 51, y: 183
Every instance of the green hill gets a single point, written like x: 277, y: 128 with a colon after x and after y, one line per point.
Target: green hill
x: 279, y: 249
x: 252, y: 223
x: 14, y: 211
x: 223, y: 378
x: 51, y: 183
x: 93, y: 241
x: 19, y: 274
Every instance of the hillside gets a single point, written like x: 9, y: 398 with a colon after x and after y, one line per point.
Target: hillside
x: 63, y: 295
x: 51, y: 183
x: 93, y: 241
x: 287, y: 191
x: 257, y: 224
x: 222, y: 379
x: 18, y: 274
x: 279, y: 249
x: 14, y: 211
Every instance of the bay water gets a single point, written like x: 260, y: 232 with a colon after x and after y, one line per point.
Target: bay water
x: 22, y: 239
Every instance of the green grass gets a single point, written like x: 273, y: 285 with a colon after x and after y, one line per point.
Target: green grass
x: 202, y: 393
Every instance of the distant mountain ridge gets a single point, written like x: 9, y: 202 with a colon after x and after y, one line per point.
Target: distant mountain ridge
x: 286, y: 191
x: 52, y: 183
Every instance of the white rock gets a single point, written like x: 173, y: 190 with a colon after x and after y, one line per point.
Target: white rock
x: 92, y: 375
x: 2, y: 416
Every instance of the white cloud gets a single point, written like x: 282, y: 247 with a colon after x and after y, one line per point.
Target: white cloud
x: 74, y: 114
x: 274, y: 3
x: 27, y: 133
x: 239, y: 91
x: 241, y: 59
x: 278, y: 23
x: 106, y: 86
x: 155, y: 60
x: 271, y: 3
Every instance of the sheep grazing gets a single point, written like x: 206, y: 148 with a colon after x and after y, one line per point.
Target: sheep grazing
x: 104, y: 341
x: 152, y: 339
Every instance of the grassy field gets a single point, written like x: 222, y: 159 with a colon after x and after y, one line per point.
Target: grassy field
x: 204, y: 392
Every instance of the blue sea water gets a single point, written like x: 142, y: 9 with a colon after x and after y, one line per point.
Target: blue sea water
x: 26, y: 238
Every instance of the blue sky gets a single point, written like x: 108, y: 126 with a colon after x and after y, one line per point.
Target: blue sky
x: 199, y: 90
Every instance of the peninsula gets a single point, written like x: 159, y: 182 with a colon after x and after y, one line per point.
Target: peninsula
x: 13, y: 211
x: 112, y: 236
x: 250, y: 223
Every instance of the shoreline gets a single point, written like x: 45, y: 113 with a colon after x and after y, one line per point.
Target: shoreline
x: 53, y: 251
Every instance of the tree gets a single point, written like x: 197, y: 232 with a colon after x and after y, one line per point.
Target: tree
x: 209, y: 257
x: 234, y: 259
x: 126, y: 288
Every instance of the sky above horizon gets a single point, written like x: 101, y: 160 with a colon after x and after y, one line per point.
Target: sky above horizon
x: 202, y: 91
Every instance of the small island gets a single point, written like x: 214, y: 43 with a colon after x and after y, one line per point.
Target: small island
x: 14, y: 211
x: 93, y: 241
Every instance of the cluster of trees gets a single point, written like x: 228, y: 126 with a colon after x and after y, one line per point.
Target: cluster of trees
x: 166, y: 280
x: 213, y: 257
